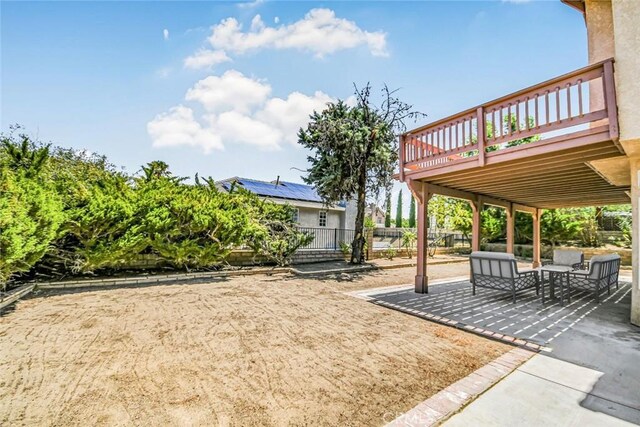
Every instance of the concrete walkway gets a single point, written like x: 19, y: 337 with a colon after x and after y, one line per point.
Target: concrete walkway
x: 544, y: 392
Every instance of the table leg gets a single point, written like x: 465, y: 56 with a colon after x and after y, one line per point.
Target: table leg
x: 561, y: 290
x: 552, y: 284
x: 542, y: 284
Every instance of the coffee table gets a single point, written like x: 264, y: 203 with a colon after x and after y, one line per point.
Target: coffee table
x: 555, y: 272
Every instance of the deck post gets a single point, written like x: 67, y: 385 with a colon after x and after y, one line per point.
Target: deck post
x: 420, y: 191
x: 401, y: 156
x: 510, y: 227
x: 536, y: 237
x: 476, y: 207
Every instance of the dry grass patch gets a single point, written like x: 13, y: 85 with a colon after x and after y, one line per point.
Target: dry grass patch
x: 264, y: 350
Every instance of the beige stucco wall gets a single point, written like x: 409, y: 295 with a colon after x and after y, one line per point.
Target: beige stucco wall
x: 635, y: 208
x: 599, y: 20
x: 613, y: 30
x: 308, y: 217
x: 626, y: 29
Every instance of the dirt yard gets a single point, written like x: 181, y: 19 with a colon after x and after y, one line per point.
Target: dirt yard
x: 261, y: 350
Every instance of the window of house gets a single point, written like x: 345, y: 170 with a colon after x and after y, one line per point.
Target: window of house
x: 295, y: 216
x: 322, y: 219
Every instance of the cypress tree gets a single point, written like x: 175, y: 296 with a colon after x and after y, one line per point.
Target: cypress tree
x: 412, y: 213
x: 399, y: 211
x: 387, y: 213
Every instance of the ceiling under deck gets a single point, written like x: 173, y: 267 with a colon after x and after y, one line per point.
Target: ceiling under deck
x: 563, y: 179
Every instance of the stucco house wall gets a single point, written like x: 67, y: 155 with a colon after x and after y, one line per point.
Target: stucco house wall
x: 613, y: 31
x: 309, y: 217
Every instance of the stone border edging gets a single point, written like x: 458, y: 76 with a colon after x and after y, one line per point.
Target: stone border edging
x: 16, y: 295
x: 363, y: 267
x: 162, y: 278
x: 452, y: 399
x: 142, y: 280
x: 413, y: 264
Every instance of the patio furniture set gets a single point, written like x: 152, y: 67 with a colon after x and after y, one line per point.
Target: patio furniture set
x: 568, y: 270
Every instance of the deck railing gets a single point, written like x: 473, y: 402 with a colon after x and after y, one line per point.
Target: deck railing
x: 557, y: 107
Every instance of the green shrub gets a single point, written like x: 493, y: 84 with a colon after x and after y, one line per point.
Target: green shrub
x: 30, y: 208
x: 409, y: 239
x: 390, y: 253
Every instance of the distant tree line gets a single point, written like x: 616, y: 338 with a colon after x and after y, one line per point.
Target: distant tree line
x: 576, y: 226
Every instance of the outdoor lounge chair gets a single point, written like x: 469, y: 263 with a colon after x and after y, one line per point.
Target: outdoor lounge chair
x: 496, y: 270
x: 567, y: 257
x: 602, y: 273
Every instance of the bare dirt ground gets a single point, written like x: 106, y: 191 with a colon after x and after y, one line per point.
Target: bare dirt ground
x: 261, y: 350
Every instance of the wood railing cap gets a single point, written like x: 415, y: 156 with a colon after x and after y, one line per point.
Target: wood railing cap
x: 472, y: 112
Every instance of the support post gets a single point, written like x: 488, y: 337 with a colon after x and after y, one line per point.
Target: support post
x: 536, y: 238
x: 420, y: 191
x: 510, y: 228
x: 635, y: 241
x: 476, y: 207
x: 401, y: 156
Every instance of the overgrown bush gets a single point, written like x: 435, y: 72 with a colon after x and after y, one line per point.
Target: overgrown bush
x: 30, y: 208
x: 188, y: 226
x: 68, y: 211
x: 273, y: 233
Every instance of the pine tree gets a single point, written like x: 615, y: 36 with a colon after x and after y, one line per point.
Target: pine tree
x: 399, y: 211
x: 412, y: 213
x: 387, y: 214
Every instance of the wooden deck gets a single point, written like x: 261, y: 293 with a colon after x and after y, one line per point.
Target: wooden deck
x: 535, y: 147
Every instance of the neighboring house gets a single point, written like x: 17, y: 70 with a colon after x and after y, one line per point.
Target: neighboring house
x: 375, y: 213
x: 310, y: 211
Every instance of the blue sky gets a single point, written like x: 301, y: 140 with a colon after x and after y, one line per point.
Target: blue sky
x: 223, y: 97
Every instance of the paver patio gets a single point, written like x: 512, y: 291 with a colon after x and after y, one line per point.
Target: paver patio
x: 528, y: 319
x: 579, y: 337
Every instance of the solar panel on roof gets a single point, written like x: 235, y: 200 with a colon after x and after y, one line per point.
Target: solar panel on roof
x: 284, y: 190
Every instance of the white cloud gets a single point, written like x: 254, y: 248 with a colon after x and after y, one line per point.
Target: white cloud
x: 239, y: 110
x: 250, y: 4
x: 205, y: 58
x: 276, y: 20
x: 232, y: 90
x: 319, y: 32
x: 288, y: 115
x: 163, y: 72
x: 178, y: 127
x: 245, y: 129
x: 165, y: 34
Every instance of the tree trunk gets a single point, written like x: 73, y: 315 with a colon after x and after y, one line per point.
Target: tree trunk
x: 357, y: 247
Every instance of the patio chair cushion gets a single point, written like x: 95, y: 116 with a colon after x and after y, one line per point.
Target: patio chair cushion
x: 596, y: 263
x: 497, y: 264
x: 585, y: 272
x: 493, y: 255
x: 567, y: 257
